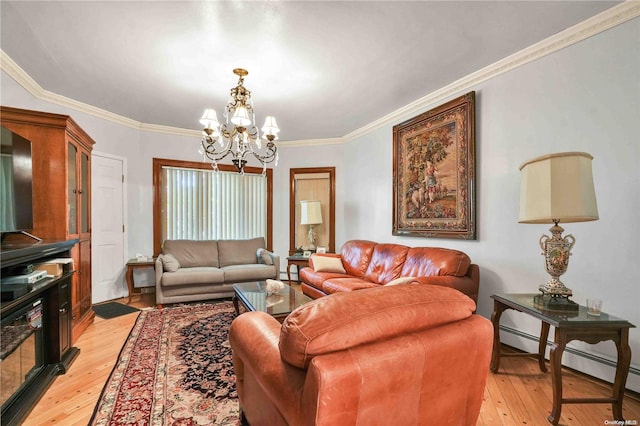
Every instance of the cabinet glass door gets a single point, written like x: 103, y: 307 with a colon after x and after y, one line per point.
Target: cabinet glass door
x: 84, y: 193
x: 72, y: 184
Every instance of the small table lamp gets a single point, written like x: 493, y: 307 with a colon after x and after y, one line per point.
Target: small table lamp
x: 557, y: 188
x: 311, y: 214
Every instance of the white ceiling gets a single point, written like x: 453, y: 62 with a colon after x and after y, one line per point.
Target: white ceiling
x: 324, y: 69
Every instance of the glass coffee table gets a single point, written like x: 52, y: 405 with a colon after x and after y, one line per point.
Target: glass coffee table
x: 254, y: 297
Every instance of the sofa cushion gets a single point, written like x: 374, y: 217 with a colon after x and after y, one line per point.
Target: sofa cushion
x: 336, y: 285
x: 169, y: 263
x: 366, y: 316
x: 356, y: 255
x: 191, y: 253
x: 243, y: 273
x: 386, y: 263
x: 194, y: 275
x: 239, y: 252
x: 434, y: 261
x: 327, y: 264
x: 315, y: 279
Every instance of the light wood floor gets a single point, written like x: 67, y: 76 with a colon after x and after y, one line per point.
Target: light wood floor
x: 519, y: 395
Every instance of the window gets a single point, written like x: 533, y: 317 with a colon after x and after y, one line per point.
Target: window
x: 193, y: 202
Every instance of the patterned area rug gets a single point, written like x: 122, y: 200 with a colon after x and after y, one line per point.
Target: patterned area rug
x: 174, y: 369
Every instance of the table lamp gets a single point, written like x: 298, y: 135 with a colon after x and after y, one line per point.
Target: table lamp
x: 557, y: 188
x: 311, y: 214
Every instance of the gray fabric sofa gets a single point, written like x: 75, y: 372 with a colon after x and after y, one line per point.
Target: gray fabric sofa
x: 189, y: 270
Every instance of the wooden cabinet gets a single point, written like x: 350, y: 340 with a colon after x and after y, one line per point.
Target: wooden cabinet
x: 61, y: 156
x: 64, y: 317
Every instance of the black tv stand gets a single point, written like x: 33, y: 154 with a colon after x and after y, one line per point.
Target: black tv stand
x: 49, y: 351
x: 5, y: 234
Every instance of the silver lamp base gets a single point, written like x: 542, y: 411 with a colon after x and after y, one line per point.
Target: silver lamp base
x: 555, y: 287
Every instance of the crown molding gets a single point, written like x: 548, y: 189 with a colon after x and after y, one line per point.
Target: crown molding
x: 612, y: 17
x: 310, y: 142
x: 603, y: 21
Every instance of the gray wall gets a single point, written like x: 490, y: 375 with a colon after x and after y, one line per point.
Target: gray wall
x: 583, y: 98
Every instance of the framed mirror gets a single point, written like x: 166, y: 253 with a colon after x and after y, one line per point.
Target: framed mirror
x: 312, y: 206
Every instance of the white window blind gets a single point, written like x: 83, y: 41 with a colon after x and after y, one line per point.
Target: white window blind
x: 207, y: 205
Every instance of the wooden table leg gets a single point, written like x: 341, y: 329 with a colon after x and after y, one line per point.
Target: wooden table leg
x: 498, y: 309
x: 129, y: 279
x: 622, y: 370
x: 289, y: 272
x: 542, y: 346
x: 555, y: 360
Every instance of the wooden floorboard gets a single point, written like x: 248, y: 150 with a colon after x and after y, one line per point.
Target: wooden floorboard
x: 519, y: 394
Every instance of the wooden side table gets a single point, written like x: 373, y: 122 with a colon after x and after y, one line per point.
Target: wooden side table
x: 300, y: 262
x: 136, y: 264
x: 569, y: 325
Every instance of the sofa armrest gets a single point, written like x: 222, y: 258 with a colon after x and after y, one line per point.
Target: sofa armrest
x: 276, y: 263
x: 159, y: 270
x: 254, y: 338
x: 465, y: 284
x: 275, y: 260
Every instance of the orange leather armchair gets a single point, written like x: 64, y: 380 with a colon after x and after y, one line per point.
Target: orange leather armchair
x: 402, y: 355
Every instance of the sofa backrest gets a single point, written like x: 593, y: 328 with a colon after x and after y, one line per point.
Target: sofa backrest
x: 435, y: 261
x: 382, y: 263
x: 348, y: 319
x: 192, y: 253
x: 386, y: 263
x: 239, y: 252
x: 356, y: 255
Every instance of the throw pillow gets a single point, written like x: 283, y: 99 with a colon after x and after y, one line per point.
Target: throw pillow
x: 328, y: 264
x: 170, y: 263
x: 401, y: 280
x: 264, y: 255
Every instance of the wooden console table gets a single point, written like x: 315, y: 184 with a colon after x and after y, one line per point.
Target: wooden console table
x: 133, y: 264
x: 569, y: 325
x: 300, y: 262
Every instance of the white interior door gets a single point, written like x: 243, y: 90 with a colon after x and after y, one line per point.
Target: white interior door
x: 107, y: 234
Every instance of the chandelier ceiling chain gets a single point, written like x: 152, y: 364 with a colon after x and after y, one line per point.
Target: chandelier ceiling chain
x: 238, y: 136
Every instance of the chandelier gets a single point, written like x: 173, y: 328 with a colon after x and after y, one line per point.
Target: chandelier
x: 238, y: 136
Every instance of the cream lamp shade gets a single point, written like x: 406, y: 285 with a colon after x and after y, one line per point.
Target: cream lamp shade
x: 558, y: 188
x: 310, y: 212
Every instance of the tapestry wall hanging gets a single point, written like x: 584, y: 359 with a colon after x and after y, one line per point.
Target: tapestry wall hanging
x: 434, y: 172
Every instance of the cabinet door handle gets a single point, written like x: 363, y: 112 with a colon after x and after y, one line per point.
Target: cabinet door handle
x: 62, y: 310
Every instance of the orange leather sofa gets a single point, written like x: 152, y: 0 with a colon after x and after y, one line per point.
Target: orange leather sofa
x: 366, y: 264
x: 400, y: 355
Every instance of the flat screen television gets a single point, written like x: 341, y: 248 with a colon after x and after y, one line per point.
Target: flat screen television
x: 16, y: 183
